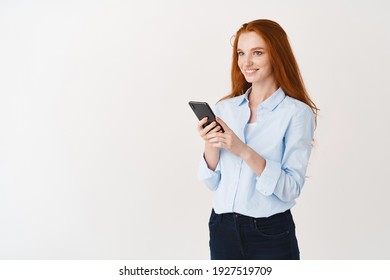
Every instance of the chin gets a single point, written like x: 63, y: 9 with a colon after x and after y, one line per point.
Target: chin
x: 250, y: 80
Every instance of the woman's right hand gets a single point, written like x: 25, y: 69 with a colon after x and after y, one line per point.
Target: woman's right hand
x: 211, y: 154
x: 212, y: 127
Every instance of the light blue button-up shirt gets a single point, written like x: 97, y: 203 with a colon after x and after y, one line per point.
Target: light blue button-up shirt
x: 282, y: 136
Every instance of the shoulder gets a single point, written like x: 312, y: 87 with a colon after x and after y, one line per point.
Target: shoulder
x: 301, y: 116
x: 297, y: 107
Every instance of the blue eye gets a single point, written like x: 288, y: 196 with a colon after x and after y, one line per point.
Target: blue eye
x: 240, y: 53
x: 257, y: 52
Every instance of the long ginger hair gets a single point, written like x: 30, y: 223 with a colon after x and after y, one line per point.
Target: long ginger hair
x: 285, y: 67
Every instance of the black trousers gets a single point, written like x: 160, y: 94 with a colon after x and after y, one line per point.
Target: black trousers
x: 237, y: 237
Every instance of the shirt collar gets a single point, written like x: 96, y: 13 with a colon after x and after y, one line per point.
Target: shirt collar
x: 269, y: 104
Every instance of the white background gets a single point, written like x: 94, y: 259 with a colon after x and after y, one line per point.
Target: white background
x: 99, y: 149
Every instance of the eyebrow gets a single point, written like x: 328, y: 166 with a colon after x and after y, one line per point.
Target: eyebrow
x: 252, y: 49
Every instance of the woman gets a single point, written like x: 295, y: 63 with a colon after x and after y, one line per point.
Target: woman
x: 256, y: 168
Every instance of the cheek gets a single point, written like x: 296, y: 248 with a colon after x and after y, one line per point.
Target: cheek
x: 241, y: 67
x: 267, y: 67
x: 239, y: 63
x: 263, y: 63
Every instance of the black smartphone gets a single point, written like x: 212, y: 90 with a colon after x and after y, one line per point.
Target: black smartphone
x: 201, y: 110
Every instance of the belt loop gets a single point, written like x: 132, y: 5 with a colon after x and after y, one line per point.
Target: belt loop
x: 254, y: 223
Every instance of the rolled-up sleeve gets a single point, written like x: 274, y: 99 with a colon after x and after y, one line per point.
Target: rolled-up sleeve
x: 209, y: 177
x: 285, y: 179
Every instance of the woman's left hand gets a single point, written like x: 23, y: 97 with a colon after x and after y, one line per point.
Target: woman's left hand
x: 227, y: 140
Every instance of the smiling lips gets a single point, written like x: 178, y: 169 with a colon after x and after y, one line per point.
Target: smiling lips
x: 250, y: 71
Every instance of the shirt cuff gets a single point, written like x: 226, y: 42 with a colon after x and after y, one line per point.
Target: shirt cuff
x: 267, y: 181
x: 209, y: 177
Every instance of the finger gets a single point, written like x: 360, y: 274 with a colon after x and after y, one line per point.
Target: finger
x: 223, y: 124
x: 216, y: 132
x: 211, y: 136
x: 216, y: 128
x: 207, y: 129
x: 220, y: 135
x: 216, y: 138
x: 210, y: 127
x: 218, y: 144
x: 213, y: 140
x: 202, y: 122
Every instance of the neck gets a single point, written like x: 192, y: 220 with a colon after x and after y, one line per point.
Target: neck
x: 261, y: 92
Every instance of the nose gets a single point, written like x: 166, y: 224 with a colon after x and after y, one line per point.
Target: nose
x: 247, y: 60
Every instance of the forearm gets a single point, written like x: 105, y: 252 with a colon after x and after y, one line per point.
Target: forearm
x: 211, y: 155
x: 253, y: 160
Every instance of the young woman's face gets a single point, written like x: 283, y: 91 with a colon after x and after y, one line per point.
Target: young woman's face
x: 253, y: 58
